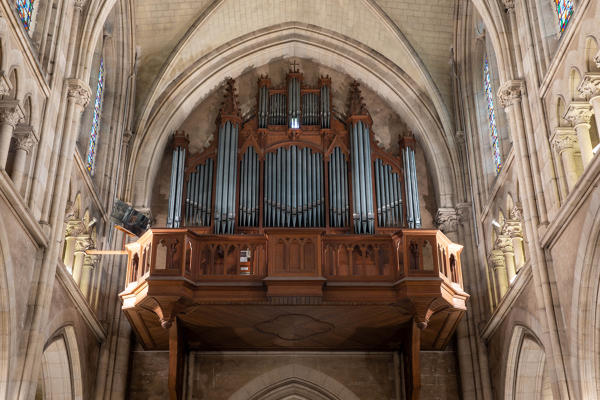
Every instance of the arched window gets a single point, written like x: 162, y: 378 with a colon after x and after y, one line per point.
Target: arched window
x: 91, y: 153
x: 489, y: 94
x: 564, y: 9
x: 25, y: 10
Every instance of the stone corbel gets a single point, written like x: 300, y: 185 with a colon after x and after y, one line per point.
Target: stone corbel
x: 447, y: 220
x: 597, y: 59
x: 509, y: 5
x: 74, y: 228
x: 578, y: 113
x: 84, y: 243
x: 11, y: 112
x: 510, y: 92
x: 24, y: 137
x: 590, y: 85
x: 79, y: 92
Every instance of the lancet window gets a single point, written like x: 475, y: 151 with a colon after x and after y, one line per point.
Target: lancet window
x: 91, y: 153
x: 489, y: 95
x: 564, y: 9
x: 25, y: 10
x: 294, y: 165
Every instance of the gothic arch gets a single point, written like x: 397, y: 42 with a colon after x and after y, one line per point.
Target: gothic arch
x: 61, y: 369
x: 585, y: 306
x: 526, y: 376
x: 591, y: 50
x: 290, y: 40
x: 292, y: 380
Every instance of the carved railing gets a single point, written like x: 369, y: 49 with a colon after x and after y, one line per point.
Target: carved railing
x: 198, y: 256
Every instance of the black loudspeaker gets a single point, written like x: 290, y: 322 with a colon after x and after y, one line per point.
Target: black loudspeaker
x: 127, y: 217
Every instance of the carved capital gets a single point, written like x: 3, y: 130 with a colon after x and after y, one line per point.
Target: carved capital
x: 447, y: 220
x: 509, y: 5
x: 504, y: 244
x: 510, y: 92
x: 80, y: 4
x: 84, y: 243
x: 90, y: 260
x: 564, y: 139
x: 512, y: 229
x: 597, y: 59
x: 24, y: 137
x: 496, y: 259
x: 127, y: 136
x: 79, y: 92
x: 590, y: 85
x: 579, y: 113
x: 516, y: 213
x: 11, y: 112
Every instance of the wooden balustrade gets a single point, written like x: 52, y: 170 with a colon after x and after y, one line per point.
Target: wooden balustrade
x: 197, y: 256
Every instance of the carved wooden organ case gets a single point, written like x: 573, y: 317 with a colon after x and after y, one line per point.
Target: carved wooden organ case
x: 294, y: 164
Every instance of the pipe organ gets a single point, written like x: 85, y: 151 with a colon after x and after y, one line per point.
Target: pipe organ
x: 293, y: 165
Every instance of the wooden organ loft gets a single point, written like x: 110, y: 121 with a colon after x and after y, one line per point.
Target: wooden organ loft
x: 293, y: 231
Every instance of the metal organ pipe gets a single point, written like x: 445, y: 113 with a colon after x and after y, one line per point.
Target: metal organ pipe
x: 362, y: 181
x: 198, y: 200
x: 413, y: 209
x: 176, y: 187
x: 226, y: 178
x: 325, y: 109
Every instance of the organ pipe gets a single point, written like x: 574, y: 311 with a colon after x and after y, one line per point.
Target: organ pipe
x: 325, y: 110
x: 263, y: 102
x: 338, y: 189
x: 293, y: 188
x: 198, y: 198
x: 362, y: 182
x: 226, y: 178
x: 388, y: 195
x: 294, y: 100
x: 413, y: 209
x: 180, y: 143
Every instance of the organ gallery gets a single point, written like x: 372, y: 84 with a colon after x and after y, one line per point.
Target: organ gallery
x: 293, y: 229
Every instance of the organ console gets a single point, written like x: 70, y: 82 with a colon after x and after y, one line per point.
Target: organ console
x: 293, y: 166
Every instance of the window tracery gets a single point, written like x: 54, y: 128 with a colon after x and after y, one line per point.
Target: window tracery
x: 91, y: 153
x: 487, y: 84
x: 564, y: 9
x: 25, y: 10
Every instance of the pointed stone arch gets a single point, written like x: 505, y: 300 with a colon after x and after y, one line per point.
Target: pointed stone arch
x: 294, y: 380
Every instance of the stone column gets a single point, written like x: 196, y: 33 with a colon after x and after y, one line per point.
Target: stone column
x: 565, y: 142
x: 10, y: 114
x: 498, y: 263
x: 24, y: 141
x: 81, y: 245
x: 590, y: 89
x: 580, y: 114
x: 89, y: 263
x: 504, y: 244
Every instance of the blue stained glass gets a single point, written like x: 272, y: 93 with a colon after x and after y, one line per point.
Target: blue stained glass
x: 487, y: 84
x: 91, y: 154
x: 25, y: 10
x: 564, y: 8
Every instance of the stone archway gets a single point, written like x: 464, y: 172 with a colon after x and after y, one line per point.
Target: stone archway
x: 526, y: 375
x: 293, y: 382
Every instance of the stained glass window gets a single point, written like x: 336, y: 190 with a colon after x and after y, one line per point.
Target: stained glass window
x: 491, y: 115
x: 564, y: 8
x: 25, y: 10
x: 91, y: 154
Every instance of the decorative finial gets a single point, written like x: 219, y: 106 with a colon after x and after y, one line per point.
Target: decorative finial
x: 357, y: 107
x: 230, y: 104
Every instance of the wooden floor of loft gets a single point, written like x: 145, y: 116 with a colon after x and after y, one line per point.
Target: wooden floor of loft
x: 300, y: 290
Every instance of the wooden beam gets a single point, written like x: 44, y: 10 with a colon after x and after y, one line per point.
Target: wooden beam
x: 106, y: 252
x: 411, y: 348
x: 176, y: 360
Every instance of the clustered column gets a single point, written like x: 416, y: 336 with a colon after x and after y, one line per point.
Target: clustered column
x: 564, y: 142
x: 24, y: 141
x: 580, y: 114
x: 10, y: 114
x: 498, y: 263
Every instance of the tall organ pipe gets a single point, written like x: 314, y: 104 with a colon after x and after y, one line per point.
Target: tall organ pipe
x: 413, y: 209
x: 176, y: 188
x: 226, y: 178
x: 325, y: 108
x: 362, y: 180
